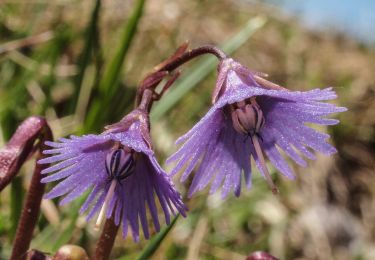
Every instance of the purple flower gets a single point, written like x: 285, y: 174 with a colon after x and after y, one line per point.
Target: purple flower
x: 251, y: 116
x: 120, y: 169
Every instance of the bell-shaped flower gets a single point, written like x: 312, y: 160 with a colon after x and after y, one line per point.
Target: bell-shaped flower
x: 119, y: 169
x: 251, y: 117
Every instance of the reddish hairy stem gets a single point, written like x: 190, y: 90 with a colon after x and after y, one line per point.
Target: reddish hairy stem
x: 189, y: 55
x: 19, y: 148
x: 30, y: 211
x: 4, y: 181
x: 176, y: 60
x: 107, y: 239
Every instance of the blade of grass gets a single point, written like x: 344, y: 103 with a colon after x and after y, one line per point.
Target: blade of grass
x: 67, y: 234
x: 85, y: 57
x: 109, y: 84
x: 155, y: 242
x: 203, y: 69
x: 44, y: 240
x: 112, y: 72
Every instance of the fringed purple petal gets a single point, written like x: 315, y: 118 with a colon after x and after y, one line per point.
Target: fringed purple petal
x: 60, y: 165
x: 97, y: 205
x: 193, y: 149
x: 93, y: 195
x: 61, y: 174
x: 79, y: 171
x: 221, y: 160
x: 202, y: 124
x: 78, y: 191
x: 243, y: 150
x: 205, y: 170
x: 277, y: 137
x: 276, y: 159
x: 226, y: 161
x: 152, y: 206
x: 225, y: 154
x: 138, y: 191
x: 79, y: 163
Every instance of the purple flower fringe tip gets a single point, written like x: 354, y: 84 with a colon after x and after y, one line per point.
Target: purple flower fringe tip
x: 122, y: 173
x: 251, y: 116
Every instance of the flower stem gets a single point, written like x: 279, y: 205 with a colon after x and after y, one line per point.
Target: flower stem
x: 266, y: 173
x: 106, y: 240
x: 30, y: 211
x: 181, y: 56
x: 189, y: 55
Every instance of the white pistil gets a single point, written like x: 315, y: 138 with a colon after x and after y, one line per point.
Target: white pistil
x: 107, y: 200
x: 259, y: 153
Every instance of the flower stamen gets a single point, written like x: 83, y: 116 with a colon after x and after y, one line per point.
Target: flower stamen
x: 107, y: 200
x: 262, y: 162
x: 119, y: 164
x: 247, y: 117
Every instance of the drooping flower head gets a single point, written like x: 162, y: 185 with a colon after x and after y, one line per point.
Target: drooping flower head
x: 120, y: 169
x: 251, y: 117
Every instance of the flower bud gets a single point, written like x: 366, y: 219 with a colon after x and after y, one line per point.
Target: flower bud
x: 71, y: 252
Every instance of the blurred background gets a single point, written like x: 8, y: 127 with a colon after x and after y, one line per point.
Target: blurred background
x: 78, y: 64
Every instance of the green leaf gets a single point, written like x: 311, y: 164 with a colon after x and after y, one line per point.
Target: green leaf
x: 45, y: 239
x: 109, y: 84
x: 91, y: 36
x: 203, y: 69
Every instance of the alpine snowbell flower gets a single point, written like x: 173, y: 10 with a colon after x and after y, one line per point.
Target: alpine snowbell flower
x: 120, y: 169
x: 251, y: 117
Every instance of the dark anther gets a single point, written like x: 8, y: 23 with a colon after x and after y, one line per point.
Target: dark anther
x: 119, y: 164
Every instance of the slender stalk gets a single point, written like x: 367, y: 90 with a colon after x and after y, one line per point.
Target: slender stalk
x: 189, y: 55
x: 178, y: 59
x: 146, y: 101
x: 20, y: 147
x: 5, y: 179
x: 262, y: 162
x: 107, y: 239
x: 30, y: 211
x: 86, y: 55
